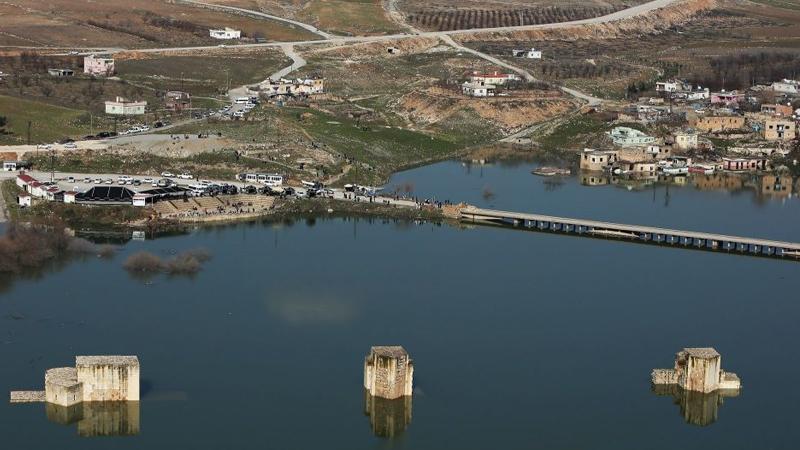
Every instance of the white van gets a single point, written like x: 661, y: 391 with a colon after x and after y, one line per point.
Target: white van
x: 242, y: 100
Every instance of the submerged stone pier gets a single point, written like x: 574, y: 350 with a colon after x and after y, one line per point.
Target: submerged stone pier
x: 388, y: 372
x: 697, y: 370
x: 93, y: 379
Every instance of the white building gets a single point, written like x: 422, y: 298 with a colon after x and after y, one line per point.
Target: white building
x: 496, y: 78
x: 225, y: 33
x: 123, y: 107
x: 786, y: 86
x: 478, y: 89
x: 93, y: 65
x: 530, y: 54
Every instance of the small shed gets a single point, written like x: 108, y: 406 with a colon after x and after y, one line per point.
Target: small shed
x: 24, y: 200
x: 69, y: 196
x: 140, y: 199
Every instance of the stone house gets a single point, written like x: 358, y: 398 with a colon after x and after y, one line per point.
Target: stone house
x: 717, y: 124
x: 177, y: 101
x: 496, y: 78
x: 388, y: 372
x: 697, y: 370
x: 60, y: 73
x: 597, y: 160
x: 686, y: 141
x: 779, y: 130
x: 777, y: 110
x: 225, y: 33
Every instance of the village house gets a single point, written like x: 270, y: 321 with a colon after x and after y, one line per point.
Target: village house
x: 225, y: 33
x: 636, y: 168
x: 299, y: 86
x: 597, y: 160
x: 717, y: 124
x: 177, y: 101
x: 496, y: 78
x: 478, y: 89
x: 124, y: 107
x: 13, y: 166
x: 745, y: 164
x: 530, y: 54
x: 628, y: 137
x: 98, y: 66
x: 672, y: 86
x: 686, y: 140
x: 59, y: 73
x: 786, y: 86
x: 779, y: 130
x: 727, y: 98
x: 777, y: 110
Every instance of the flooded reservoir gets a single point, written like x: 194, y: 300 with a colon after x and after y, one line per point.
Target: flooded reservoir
x: 519, y: 340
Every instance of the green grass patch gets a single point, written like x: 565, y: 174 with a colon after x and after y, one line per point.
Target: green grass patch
x: 48, y: 123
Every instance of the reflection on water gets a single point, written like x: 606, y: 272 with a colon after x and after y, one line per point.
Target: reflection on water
x: 776, y: 186
x: 696, y: 408
x: 98, y: 418
x: 388, y: 418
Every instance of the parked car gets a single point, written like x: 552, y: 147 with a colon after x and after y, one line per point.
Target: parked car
x: 144, y: 128
x: 109, y: 181
x: 186, y: 176
x: 164, y: 182
x: 87, y: 180
x: 147, y: 180
x: 70, y: 145
x: 70, y: 179
x: 44, y: 146
x: 167, y: 174
x: 98, y: 181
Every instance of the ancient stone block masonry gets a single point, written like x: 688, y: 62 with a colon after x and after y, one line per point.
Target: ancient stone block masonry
x: 388, y: 372
x: 93, y: 379
x: 388, y: 387
x: 697, y: 370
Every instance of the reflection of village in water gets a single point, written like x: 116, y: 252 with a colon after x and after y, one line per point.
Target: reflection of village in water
x: 772, y: 186
x: 696, y: 408
x: 98, y: 418
x: 388, y: 418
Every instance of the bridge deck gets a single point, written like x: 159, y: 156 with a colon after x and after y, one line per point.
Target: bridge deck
x: 471, y: 213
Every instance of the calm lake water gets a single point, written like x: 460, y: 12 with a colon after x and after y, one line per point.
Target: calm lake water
x: 520, y: 340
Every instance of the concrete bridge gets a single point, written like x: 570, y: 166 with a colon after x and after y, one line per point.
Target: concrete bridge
x: 635, y: 233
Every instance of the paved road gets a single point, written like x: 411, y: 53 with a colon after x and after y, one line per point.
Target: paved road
x: 297, y: 62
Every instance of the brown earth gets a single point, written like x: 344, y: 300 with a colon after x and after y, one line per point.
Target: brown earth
x: 436, y: 104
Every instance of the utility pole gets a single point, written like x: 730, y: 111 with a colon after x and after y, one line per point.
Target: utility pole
x: 29, y: 132
x: 52, y: 165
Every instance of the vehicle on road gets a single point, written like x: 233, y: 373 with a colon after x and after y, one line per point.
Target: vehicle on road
x: 109, y: 181
x: 98, y: 181
x: 186, y: 176
x: 87, y: 180
x: 242, y: 100
x: 164, y: 182
x: 147, y: 180
x: 70, y: 145
x: 44, y: 147
x: 167, y: 174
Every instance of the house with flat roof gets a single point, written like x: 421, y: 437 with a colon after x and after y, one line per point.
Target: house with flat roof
x: 98, y: 66
x: 478, y: 89
x: 225, y: 33
x: 628, y: 137
x: 124, y: 107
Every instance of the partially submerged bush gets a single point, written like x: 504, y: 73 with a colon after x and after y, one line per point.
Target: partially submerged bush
x: 185, y: 263
x: 144, y: 262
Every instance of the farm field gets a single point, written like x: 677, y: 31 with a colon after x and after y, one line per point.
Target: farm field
x: 204, y: 75
x: 464, y: 14
x: 125, y: 23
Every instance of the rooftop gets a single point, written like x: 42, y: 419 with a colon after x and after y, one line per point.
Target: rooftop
x: 61, y: 376
x: 704, y: 352
x: 394, y: 351
x: 106, y: 360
